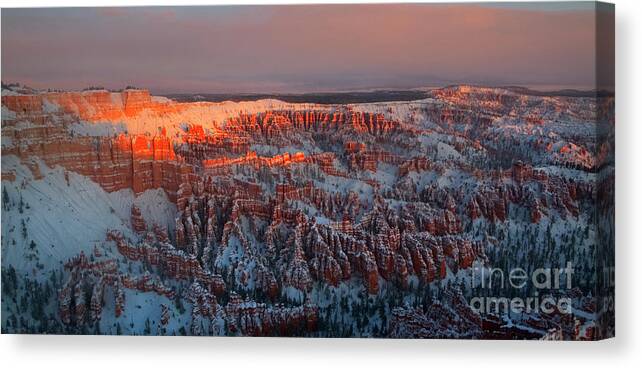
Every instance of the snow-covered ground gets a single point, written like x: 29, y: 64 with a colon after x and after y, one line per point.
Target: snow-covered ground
x: 65, y: 213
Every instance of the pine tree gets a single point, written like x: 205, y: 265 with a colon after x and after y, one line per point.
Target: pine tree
x: 24, y: 227
x: 5, y: 199
x: 148, y: 327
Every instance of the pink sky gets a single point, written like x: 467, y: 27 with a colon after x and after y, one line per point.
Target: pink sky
x: 300, y: 48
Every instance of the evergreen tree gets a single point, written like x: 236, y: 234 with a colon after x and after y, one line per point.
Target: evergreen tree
x: 5, y: 199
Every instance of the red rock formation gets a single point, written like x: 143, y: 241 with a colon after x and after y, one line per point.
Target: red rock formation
x: 214, y: 166
x: 177, y: 264
x: 416, y: 164
x: 165, y: 317
x: 353, y: 147
x: 9, y: 175
x: 368, y: 160
x: 276, y: 124
x: 454, y: 312
x: 536, y: 213
x: 100, y: 275
x: 135, y: 162
x: 138, y: 162
x: 119, y: 302
x: 256, y: 319
x: 326, y: 164
x: 138, y: 223
x: 97, y: 105
x: 298, y: 273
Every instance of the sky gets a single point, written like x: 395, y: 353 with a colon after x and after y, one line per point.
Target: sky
x: 305, y: 48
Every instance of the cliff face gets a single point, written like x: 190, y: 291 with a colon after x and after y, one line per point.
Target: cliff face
x: 136, y: 162
x: 272, y: 124
x: 89, y: 105
x: 40, y: 129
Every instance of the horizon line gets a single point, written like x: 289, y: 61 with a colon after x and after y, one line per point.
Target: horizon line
x: 160, y: 92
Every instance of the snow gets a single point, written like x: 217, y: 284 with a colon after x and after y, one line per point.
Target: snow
x: 10, y: 92
x: 293, y: 294
x: 403, y: 111
x: 7, y: 114
x: 337, y: 184
x: 447, y: 152
x: 139, y: 307
x: 161, y: 99
x: 84, y: 128
x: 386, y: 174
x: 64, y: 218
x: 49, y: 107
x: 156, y: 207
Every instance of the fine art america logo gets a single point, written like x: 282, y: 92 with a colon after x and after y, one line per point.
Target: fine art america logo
x: 541, y: 280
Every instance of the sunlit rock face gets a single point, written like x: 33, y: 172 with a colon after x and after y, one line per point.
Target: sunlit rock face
x: 268, y: 218
x: 90, y: 105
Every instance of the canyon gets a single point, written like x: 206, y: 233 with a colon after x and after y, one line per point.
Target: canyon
x: 267, y: 218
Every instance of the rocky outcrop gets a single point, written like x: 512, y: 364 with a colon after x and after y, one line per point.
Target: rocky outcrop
x: 137, y: 162
x: 368, y: 160
x: 275, y: 124
x: 75, y: 308
x: 94, y: 105
x: 219, y: 165
x: 176, y: 263
x: 249, y: 318
x: 138, y: 223
x: 427, y: 323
